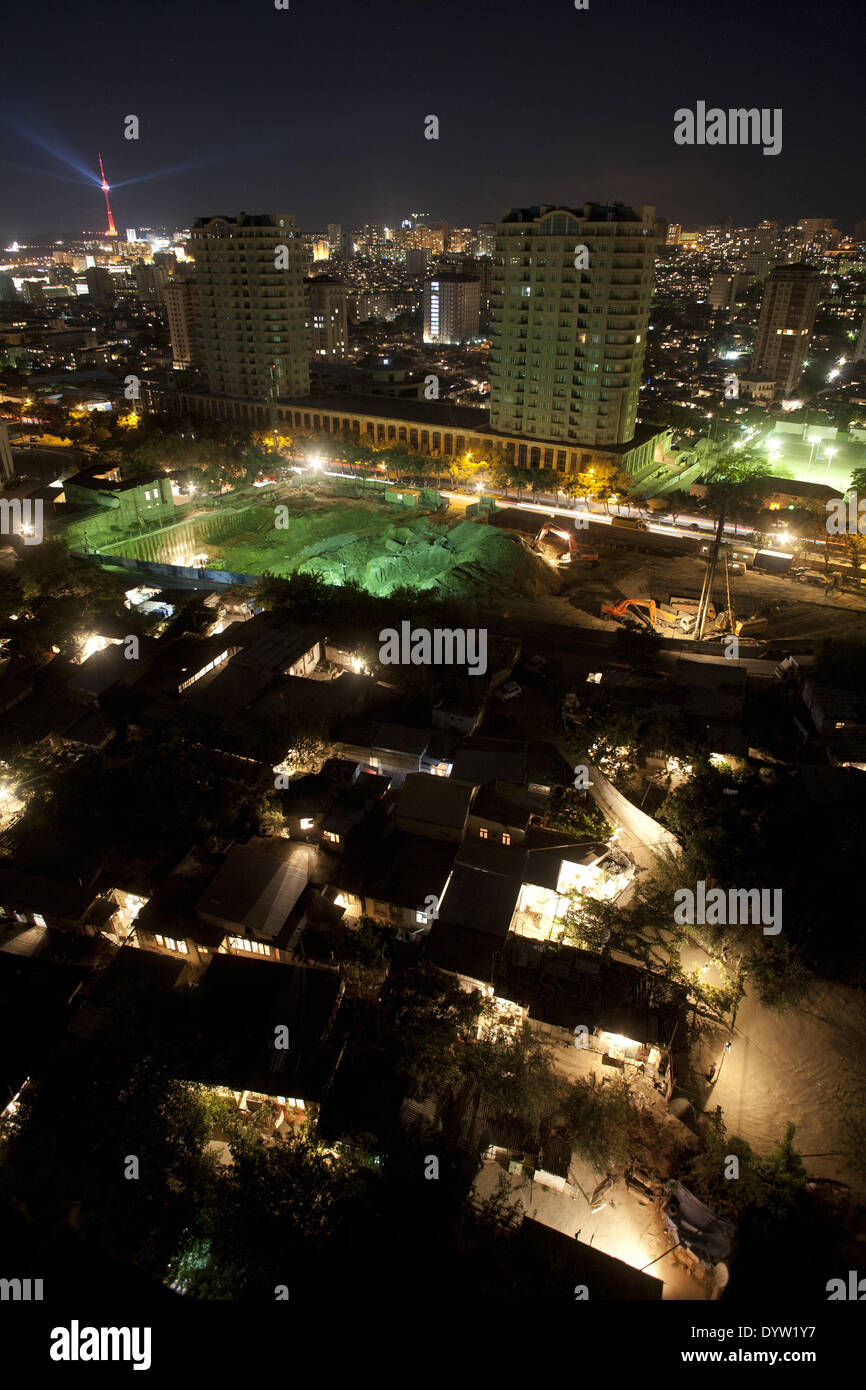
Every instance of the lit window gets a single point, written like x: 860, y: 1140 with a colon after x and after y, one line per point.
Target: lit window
x: 483, y: 832
x: 307, y: 822
x: 421, y: 917
x: 506, y: 838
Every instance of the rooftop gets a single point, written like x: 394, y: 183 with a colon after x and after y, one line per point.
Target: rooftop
x: 253, y: 891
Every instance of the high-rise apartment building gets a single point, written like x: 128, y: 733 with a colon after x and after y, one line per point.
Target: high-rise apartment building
x: 252, y: 320
x: 569, y: 314
x: 452, y: 304
x: 326, y: 320
x: 725, y: 286
x: 180, y: 304
x: 785, y: 326
x: 479, y: 268
x: 100, y: 284
x: 150, y: 282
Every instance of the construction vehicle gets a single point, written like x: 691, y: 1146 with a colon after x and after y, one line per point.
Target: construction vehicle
x: 681, y: 613
x: 631, y: 608
x: 773, y: 561
x: 574, y: 553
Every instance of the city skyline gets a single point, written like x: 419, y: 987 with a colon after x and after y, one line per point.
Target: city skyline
x: 528, y: 124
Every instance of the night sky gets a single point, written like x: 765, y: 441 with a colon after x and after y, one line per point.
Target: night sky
x: 319, y: 110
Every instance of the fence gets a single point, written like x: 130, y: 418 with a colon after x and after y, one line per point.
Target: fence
x: 162, y: 571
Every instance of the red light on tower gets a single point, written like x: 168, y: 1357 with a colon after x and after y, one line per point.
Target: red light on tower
x: 112, y: 230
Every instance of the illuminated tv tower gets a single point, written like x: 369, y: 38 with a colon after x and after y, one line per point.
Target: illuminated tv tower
x: 112, y: 230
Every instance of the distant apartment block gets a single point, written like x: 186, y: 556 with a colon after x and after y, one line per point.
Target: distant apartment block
x: 180, y: 306
x: 785, y: 326
x: 452, y: 304
x: 326, y: 320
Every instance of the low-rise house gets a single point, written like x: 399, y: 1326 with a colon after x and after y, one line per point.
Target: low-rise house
x: 390, y: 748
x: 148, y: 499
x: 833, y: 710
x: 564, y: 1264
x: 306, y: 799
x: 284, y: 650
x: 502, y: 811
x: 436, y: 807
x: 483, y: 760
x: 48, y: 902
x: 265, y: 1034
x: 349, y: 807
x: 252, y: 895
x: 109, y: 668
x: 407, y: 884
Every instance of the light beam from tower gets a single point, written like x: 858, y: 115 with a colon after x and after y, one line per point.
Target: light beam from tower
x: 112, y: 230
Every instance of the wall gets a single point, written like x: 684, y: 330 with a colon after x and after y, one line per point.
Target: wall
x: 620, y: 811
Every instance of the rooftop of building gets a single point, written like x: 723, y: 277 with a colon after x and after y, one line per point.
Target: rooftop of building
x: 253, y: 889
x: 590, y: 212
x: 442, y: 801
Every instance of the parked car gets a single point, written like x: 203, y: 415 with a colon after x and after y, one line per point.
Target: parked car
x: 510, y: 691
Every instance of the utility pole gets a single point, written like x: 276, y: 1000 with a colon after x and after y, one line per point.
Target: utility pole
x: 709, y: 576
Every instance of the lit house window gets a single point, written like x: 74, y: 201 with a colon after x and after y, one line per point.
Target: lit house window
x: 329, y: 835
x: 307, y: 822
x: 172, y: 945
x: 483, y: 832
x: 506, y: 838
x: 252, y: 948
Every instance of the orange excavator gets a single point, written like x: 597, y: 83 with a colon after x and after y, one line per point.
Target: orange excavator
x: 575, y: 554
x: 643, y: 608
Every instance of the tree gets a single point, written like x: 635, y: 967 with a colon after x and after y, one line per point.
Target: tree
x: 426, y: 1017
x: 677, y: 500
x: 769, y: 1187
x: 599, y: 1120
x: 101, y: 1103
x: 514, y: 1072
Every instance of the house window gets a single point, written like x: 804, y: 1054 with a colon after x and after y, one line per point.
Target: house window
x: 506, y: 838
x: 171, y: 945
x: 329, y: 835
x: 307, y: 822
x: 252, y: 948
x: 483, y: 832
x: 421, y: 917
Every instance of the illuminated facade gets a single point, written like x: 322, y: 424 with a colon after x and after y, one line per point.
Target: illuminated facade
x: 568, y: 321
x: 252, y: 329
x: 785, y: 326
x: 452, y: 304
